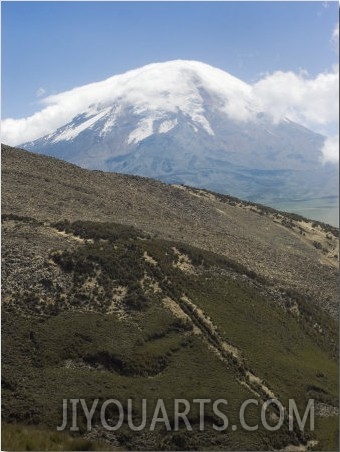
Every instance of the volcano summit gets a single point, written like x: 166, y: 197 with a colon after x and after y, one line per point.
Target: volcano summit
x: 186, y: 122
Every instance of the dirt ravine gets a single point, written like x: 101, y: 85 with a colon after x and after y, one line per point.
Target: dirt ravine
x: 228, y: 353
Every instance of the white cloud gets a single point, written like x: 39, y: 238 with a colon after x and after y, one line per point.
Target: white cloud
x: 330, y: 150
x: 309, y: 101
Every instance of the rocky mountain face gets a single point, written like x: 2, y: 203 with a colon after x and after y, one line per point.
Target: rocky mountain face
x: 187, y: 122
x: 117, y: 286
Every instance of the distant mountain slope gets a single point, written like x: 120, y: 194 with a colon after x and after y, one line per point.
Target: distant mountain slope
x: 187, y: 122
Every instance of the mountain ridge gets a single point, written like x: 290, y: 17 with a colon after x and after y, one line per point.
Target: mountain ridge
x: 152, y: 205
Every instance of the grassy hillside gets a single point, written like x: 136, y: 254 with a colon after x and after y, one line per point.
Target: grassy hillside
x: 22, y: 437
x: 99, y: 310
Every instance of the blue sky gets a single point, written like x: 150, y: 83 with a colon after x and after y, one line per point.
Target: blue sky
x: 50, y: 47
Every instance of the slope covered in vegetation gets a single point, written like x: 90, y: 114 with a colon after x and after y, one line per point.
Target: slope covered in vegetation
x: 101, y: 310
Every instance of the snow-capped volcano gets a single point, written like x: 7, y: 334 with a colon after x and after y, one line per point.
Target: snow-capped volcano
x: 187, y: 122
x: 158, y: 90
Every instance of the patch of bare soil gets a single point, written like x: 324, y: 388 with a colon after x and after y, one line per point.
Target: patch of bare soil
x: 183, y: 262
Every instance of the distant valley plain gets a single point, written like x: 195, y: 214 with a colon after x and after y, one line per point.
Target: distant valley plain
x: 324, y: 210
